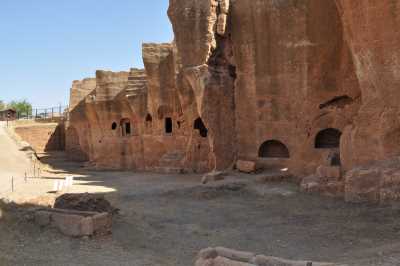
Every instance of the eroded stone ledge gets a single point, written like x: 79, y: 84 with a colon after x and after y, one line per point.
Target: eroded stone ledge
x: 221, y: 256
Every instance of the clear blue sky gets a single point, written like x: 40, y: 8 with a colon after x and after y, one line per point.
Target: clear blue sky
x: 46, y: 44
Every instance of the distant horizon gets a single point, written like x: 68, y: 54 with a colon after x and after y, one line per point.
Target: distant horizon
x: 44, y: 50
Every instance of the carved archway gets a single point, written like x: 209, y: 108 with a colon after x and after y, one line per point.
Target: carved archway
x: 273, y: 149
x: 328, y: 139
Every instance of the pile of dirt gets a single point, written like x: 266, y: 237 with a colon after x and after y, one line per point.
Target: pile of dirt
x: 84, y: 202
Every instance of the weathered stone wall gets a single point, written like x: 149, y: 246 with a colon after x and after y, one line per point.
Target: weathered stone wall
x: 208, y: 74
x: 43, y: 137
x: 306, y: 85
x: 289, y: 65
x: 371, y: 32
x: 371, y: 144
x: 145, y: 99
x: 78, y: 126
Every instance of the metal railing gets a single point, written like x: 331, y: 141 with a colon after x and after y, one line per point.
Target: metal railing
x: 59, y: 112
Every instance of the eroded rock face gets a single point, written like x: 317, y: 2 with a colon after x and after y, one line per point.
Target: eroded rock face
x: 370, y: 31
x: 135, y: 119
x: 303, y: 85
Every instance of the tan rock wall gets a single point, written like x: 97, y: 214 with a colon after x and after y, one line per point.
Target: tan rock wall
x: 286, y: 68
x: 371, y: 32
x: 77, y: 130
x: 43, y: 137
x: 146, y: 99
x: 242, y: 75
x: 79, y: 91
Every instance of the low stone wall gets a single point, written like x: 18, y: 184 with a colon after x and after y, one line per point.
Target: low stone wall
x: 75, y: 223
x: 228, y: 257
x: 42, y: 137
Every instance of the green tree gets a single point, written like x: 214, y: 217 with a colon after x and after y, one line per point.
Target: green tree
x: 22, y: 106
x: 2, y: 105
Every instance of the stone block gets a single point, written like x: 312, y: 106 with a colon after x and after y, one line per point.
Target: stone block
x: 261, y: 260
x: 246, y: 166
x: 229, y: 257
x: 87, y: 228
x: 68, y: 224
x: 75, y: 223
x: 222, y: 261
x: 208, y: 253
x: 234, y: 254
x: 102, y: 223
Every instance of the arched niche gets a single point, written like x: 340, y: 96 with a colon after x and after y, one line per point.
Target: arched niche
x: 273, y: 149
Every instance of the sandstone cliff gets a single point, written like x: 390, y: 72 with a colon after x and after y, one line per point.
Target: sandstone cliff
x: 306, y: 85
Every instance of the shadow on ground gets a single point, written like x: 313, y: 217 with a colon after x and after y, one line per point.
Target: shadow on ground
x: 165, y: 220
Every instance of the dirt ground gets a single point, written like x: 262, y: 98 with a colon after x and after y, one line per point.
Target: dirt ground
x: 166, y: 219
x: 13, y: 162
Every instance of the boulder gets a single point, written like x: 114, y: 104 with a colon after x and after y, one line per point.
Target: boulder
x: 246, y: 166
x: 102, y: 223
x: 228, y: 257
x: 68, y: 224
x: 75, y: 223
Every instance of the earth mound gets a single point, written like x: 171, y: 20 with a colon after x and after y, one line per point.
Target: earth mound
x: 84, y: 202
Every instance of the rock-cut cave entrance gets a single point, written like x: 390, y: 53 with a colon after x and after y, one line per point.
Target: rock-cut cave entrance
x: 199, y: 125
x: 273, y: 149
x: 330, y: 139
x: 149, y: 120
x: 168, y: 125
x: 126, y: 127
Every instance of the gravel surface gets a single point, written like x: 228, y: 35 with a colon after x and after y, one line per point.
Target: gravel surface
x: 164, y: 220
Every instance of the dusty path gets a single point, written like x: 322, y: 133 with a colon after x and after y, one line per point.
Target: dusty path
x: 166, y: 219
x: 13, y: 162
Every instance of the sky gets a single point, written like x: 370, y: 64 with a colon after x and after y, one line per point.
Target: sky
x: 46, y: 44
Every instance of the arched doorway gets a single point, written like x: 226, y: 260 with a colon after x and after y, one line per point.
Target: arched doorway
x: 126, y: 127
x: 199, y: 125
x: 328, y: 139
x: 168, y: 125
x: 149, y: 121
x: 273, y: 149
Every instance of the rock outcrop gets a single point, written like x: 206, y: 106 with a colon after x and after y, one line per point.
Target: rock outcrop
x: 306, y: 85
